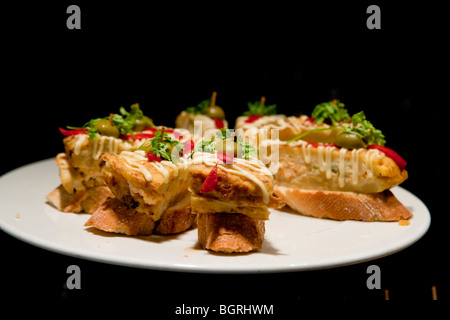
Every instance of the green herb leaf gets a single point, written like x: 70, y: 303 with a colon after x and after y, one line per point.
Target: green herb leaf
x: 204, y: 146
x: 365, y: 130
x: 247, y: 148
x: 258, y: 109
x: 223, y: 133
x: 200, y: 108
x: 162, y: 146
x: 334, y: 111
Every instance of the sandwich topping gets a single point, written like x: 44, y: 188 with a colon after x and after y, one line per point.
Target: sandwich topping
x: 218, y: 151
x: 114, y: 125
x: 355, y: 132
x: 209, y: 108
x: 159, y: 152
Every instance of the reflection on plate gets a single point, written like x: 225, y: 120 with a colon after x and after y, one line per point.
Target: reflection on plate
x: 292, y: 242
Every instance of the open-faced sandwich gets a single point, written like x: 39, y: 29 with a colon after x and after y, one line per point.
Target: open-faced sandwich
x: 82, y: 186
x: 345, y: 173
x: 206, y: 115
x: 231, y: 193
x: 150, y: 185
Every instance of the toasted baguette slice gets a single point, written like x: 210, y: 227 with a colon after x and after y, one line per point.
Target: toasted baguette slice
x: 84, y: 201
x: 177, y: 218
x: 383, y: 206
x: 230, y: 232
x: 115, y: 216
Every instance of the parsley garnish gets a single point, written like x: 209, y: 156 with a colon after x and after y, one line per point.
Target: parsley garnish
x: 365, y: 130
x: 333, y: 111
x: 204, y: 146
x: 125, y: 122
x: 161, y: 145
x: 200, y: 108
x: 247, y: 148
x: 258, y: 108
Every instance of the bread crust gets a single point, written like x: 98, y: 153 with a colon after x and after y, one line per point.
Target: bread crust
x: 230, y: 232
x: 115, y: 216
x: 383, y: 206
x: 83, y: 201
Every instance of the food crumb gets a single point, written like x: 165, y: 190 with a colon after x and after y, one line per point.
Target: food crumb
x: 17, y: 216
x: 403, y: 223
x: 185, y: 256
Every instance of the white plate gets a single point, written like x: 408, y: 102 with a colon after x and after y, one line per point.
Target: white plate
x: 292, y: 242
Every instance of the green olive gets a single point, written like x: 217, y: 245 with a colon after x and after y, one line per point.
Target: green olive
x: 229, y: 147
x: 349, y: 141
x: 215, y: 112
x: 143, y: 123
x: 107, y: 129
x: 172, y: 146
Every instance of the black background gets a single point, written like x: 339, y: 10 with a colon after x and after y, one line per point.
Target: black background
x: 168, y: 57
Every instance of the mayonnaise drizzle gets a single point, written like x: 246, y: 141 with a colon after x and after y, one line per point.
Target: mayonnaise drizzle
x: 238, y: 167
x: 344, y: 167
x: 137, y: 161
x: 79, y: 143
x: 99, y: 145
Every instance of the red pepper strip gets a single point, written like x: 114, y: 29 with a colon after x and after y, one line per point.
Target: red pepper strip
x: 219, y: 123
x: 72, y: 132
x: 316, y: 145
x: 138, y: 136
x: 391, y: 154
x: 225, y: 157
x: 188, y: 146
x: 151, y: 157
x: 311, y: 120
x: 252, y: 118
x: 211, y: 180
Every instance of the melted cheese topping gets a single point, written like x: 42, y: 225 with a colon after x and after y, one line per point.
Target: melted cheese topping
x: 239, y: 167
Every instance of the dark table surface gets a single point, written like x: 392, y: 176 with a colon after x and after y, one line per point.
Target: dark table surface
x: 169, y: 58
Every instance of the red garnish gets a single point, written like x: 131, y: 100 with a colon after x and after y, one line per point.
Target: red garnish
x: 211, y: 180
x: 225, y: 157
x: 147, y: 134
x: 316, y: 145
x: 138, y: 136
x: 219, y: 123
x: 188, y: 146
x: 252, y: 118
x: 72, y: 132
x: 391, y: 154
x: 311, y: 120
x: 151, y: 157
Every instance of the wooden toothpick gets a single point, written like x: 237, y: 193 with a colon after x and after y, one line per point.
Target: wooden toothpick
x: 213, y: 99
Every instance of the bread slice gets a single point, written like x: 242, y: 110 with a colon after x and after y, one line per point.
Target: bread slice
x: 115, y: 216
x: 338, y: 205
x: 177, y: 218
x: 83, y: 201
x: 230, y: 232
